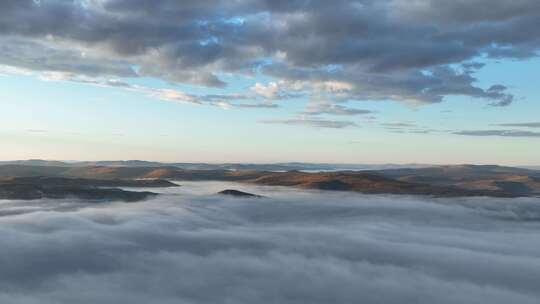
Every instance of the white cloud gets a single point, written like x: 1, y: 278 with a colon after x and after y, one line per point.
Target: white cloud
x: 270, y: 91
x: 191, y: 246
x: 173, y: 95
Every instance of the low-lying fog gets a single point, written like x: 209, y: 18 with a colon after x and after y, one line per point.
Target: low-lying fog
x: 192, y: 246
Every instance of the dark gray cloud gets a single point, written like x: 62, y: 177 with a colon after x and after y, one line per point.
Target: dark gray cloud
x: 44, y: 56
x: 383, y: 50
x: 503, y: 133
x: 521, y: 125
x: 295, y: 246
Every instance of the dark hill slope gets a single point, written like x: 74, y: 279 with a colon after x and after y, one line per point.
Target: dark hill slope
x: 29, y: 188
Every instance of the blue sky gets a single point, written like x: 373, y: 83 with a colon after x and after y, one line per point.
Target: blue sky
x: 70, y: 98
x: 66, y: 120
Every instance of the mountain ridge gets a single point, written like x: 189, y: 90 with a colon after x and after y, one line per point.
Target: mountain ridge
x: 463, y: 180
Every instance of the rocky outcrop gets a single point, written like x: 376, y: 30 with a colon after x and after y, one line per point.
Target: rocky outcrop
x: 236, y: 193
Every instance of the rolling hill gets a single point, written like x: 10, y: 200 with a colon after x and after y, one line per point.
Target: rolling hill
x: 464, y: 180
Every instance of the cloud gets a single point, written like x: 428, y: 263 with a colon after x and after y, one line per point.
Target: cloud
x: 228, y: 105
x: 37, y: 130
x: 502, y: 133
x: 521, y: 124
x: 319, y: 108
x: 295, y: 246
x: 47, y: 57
x: 270, y: 91
x: 405, y: 86
x: 315, y: 123
x: 399, y: 125
x: 166, y: 94
x: 473, y: 65
x: 174, y: 95
x: 256, y: 105
x: 407, y: 128
x: 276, y: 90
x: 411, y: 131
x: 414, y: 53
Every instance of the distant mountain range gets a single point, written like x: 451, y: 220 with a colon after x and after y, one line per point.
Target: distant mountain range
x: 459, y: 180
x: 206, y: 166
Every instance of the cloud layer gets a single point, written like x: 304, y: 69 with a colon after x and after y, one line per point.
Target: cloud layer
x: 502, y: 133
x: 521, y: 125
x: 191, y: 246
x: 413, y: 52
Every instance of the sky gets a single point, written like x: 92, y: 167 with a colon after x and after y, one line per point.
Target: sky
x: 391, y: 81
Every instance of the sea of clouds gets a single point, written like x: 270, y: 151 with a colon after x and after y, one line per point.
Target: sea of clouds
x: 190, y: 245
